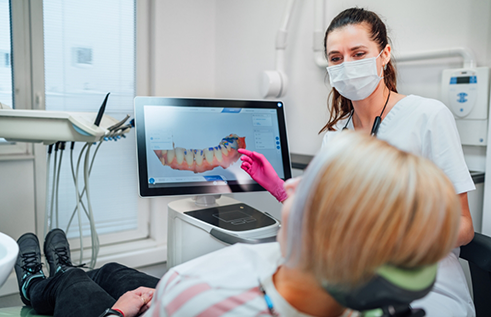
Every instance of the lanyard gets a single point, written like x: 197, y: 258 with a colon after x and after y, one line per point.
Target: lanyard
x: 268, y: 300
x: 376, y: 122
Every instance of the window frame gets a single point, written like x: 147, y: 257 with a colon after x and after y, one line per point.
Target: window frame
x: 149, y: 224
x: 148, y: 250
x: 21, y: 80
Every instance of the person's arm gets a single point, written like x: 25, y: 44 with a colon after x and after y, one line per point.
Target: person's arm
x: 443, y: 147
x: 466, y: 230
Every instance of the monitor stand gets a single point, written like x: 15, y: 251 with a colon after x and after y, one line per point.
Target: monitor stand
x: 203, y: 224
x: 206, y: 200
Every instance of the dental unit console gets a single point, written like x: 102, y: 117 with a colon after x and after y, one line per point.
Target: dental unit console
x: 55, y: 128
x: 189, y: 146
x: 50, y: 127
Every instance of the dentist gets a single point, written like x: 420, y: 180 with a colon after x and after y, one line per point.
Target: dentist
x: 364, y: 97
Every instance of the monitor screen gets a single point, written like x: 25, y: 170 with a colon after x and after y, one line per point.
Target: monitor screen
x: 189, y: 146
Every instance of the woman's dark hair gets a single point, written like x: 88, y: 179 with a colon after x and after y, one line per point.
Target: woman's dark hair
x: 340, y: 106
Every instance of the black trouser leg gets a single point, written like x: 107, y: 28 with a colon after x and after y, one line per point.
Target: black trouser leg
x: 69, y: 294
x: 117, y: 279
x: 76, y: 293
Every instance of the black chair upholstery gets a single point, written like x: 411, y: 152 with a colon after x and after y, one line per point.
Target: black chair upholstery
x: 478, y: 254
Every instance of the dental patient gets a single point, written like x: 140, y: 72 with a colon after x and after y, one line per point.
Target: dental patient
x: 361, y: 207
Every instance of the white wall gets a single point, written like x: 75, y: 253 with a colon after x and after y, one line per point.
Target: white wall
x: 184, y: 48
x: 17, y: 197
x: 233, y: 41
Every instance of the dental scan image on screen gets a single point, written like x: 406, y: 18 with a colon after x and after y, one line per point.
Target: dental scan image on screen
x: 202, y: 160
x: 199, y: 145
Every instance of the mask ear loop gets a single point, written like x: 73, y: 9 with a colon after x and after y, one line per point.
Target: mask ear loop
x: 385, y: 66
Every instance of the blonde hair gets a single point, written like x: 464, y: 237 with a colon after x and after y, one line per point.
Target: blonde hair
x: 363, y: 203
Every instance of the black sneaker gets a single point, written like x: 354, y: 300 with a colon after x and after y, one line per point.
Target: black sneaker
x: 57, y: 252
x: 28, y: 266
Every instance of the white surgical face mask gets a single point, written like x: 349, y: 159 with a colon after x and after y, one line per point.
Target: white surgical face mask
x: 355, y: 80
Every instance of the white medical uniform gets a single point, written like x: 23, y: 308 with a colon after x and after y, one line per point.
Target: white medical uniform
x: 426, y: 127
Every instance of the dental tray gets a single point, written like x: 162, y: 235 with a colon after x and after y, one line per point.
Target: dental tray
x: 49, y: 127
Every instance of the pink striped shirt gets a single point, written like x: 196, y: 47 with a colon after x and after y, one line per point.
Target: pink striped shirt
x: 223, y: 283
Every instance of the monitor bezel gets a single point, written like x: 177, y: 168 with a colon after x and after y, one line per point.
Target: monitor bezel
x: 233, y: 186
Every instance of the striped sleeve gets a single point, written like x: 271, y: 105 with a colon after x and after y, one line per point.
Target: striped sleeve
x: 178, y: 295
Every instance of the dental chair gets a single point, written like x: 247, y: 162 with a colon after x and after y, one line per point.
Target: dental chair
x: 477, y: 253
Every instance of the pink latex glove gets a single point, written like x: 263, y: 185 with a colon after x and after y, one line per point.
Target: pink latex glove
x: 258, y: 167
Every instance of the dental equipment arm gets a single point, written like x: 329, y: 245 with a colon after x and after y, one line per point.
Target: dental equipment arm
x: 54, y: 128
x: 258, y: 167
x: 50, y: 127
x: 274, y: 82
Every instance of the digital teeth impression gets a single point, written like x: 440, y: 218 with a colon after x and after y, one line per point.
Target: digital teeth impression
x: 198, y: 161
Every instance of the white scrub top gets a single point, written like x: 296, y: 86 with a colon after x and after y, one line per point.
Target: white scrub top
x: 426, y: 127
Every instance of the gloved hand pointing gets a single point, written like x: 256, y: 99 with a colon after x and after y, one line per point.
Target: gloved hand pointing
x: 258, y: 167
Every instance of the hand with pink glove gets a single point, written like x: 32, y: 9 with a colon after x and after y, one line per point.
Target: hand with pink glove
x: 258, y: 167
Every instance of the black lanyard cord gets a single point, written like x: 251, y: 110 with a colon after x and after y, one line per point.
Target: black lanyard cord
x: 376, y: 122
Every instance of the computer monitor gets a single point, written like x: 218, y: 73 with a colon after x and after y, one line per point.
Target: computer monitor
x: 189, y: 146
